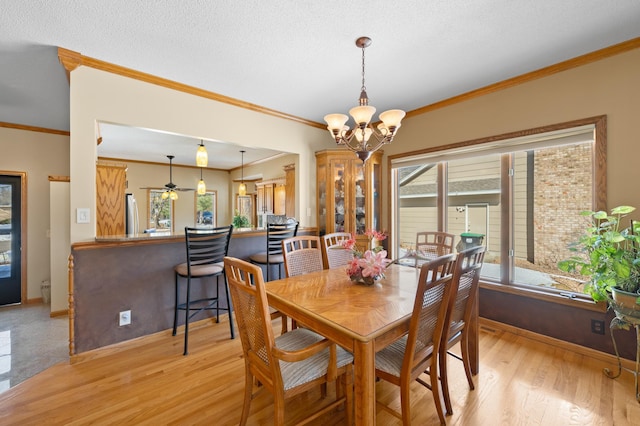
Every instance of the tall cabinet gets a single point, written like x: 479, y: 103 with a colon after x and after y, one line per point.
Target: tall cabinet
x: 348, y: 192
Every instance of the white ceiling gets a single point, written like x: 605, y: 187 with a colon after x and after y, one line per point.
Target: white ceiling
x: 298, y: 56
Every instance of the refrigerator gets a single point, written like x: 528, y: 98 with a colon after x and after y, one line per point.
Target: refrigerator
x: 131, y: 219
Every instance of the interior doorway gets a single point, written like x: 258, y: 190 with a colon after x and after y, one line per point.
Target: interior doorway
x: 11, y: 222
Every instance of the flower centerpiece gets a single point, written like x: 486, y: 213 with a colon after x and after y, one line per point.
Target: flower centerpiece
x: 368, y: 265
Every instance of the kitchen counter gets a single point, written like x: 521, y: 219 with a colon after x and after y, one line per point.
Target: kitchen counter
x: 112, y: 274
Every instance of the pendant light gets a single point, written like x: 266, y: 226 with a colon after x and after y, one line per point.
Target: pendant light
x: 202, y: 158
x: 202, y: 188
x: 242, y: 189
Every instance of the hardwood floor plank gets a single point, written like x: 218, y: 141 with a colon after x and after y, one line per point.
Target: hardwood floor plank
x: 149, y: 382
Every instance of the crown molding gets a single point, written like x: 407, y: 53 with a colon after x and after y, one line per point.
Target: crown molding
x: 71, y: 60
x: 34, y: 129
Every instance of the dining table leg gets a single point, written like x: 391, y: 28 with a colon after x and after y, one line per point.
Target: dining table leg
x: 365, y: 383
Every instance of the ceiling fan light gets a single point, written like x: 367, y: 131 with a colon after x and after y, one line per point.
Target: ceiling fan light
x: 202, y: 158
x: 173, y: 195
x: 165, y: 195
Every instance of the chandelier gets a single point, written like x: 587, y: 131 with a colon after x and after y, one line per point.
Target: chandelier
x: 364, y: 139
x: 242, y: 189
x: 202, y: 158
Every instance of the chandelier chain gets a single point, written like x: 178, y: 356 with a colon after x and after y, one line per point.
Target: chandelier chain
x: 364, y: 88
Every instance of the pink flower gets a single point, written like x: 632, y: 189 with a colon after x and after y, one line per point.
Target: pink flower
x: 372, y: 233
x: 349, y: 244
x: 354, y: 268
x: 373, y: 264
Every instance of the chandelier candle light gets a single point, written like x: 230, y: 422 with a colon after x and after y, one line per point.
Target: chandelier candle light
x: 363, y: 139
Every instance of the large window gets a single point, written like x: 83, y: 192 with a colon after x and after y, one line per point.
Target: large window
x: 160, y: 211
x: 520, y: 196
x: 206, y: 209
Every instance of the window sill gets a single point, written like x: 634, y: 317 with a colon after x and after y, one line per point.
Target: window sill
x: 570, y: 299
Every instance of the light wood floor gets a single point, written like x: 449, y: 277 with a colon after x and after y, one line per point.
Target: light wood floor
x: 148, y: 382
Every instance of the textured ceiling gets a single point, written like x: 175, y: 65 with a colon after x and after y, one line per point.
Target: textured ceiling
x: 298, y: 56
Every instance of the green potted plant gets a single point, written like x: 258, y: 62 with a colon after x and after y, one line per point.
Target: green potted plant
x: 240, y: 221
x: 609, y: 255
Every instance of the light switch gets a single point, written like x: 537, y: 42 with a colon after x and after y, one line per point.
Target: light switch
x: 82, y: 215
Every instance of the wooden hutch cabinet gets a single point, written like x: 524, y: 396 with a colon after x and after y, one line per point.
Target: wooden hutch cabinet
x: 348, y: 192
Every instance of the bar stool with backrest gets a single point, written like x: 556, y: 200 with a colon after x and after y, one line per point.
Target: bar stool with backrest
x: 466, y: 277
x: 289, y: 364
x: 206, y: 249
x: 432, y: 244
x: 276, y: 232
x: 416, y: 353
x: 333, y: 252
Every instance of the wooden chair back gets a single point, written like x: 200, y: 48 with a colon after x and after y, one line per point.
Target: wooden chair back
x: 334, y: 255
x: 432, y: 244
x: 302, y: 254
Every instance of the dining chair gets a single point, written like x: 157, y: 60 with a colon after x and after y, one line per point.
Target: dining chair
x: 206, y: 249
x: 432, y: 244
x: 289, y: 364
x: 302, y: 255
x: 276, y: 232
x: 334, y: 255
x: 416, y: 353
x: 466, y: 276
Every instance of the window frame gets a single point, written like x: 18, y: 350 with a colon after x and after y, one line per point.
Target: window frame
x: 483, y: 145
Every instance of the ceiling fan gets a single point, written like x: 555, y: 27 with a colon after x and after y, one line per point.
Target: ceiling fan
x: 171, y: 188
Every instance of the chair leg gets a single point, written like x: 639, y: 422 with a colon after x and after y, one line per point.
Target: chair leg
x: 229, y: 307
x: 186, y: 317
x: 218, y: 299
x: 464, y: 351
x: 405, y: 402
x: 248, y: 393
x: 438, y: 397
x: 175, y: 309
x: 444, y: 379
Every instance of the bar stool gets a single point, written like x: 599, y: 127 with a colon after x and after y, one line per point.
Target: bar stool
x: 276, y: 232
x: 206, y: 250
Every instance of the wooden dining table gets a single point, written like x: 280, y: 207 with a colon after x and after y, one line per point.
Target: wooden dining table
x: 362, y: 319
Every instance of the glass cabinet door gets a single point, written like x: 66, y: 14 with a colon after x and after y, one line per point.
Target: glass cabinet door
x: 360, y: 205
x: 322, y: 199
x: 340, y: 206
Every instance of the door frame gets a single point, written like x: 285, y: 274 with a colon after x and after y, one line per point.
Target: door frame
x: 23, y: 231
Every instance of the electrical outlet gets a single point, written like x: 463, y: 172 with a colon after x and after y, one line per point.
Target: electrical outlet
x: 125, y: 318
x: 597, y: 326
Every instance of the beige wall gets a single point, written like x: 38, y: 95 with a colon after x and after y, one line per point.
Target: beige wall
x: 100, y: 96
x: 39, y: 155
x: 608, y: 87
